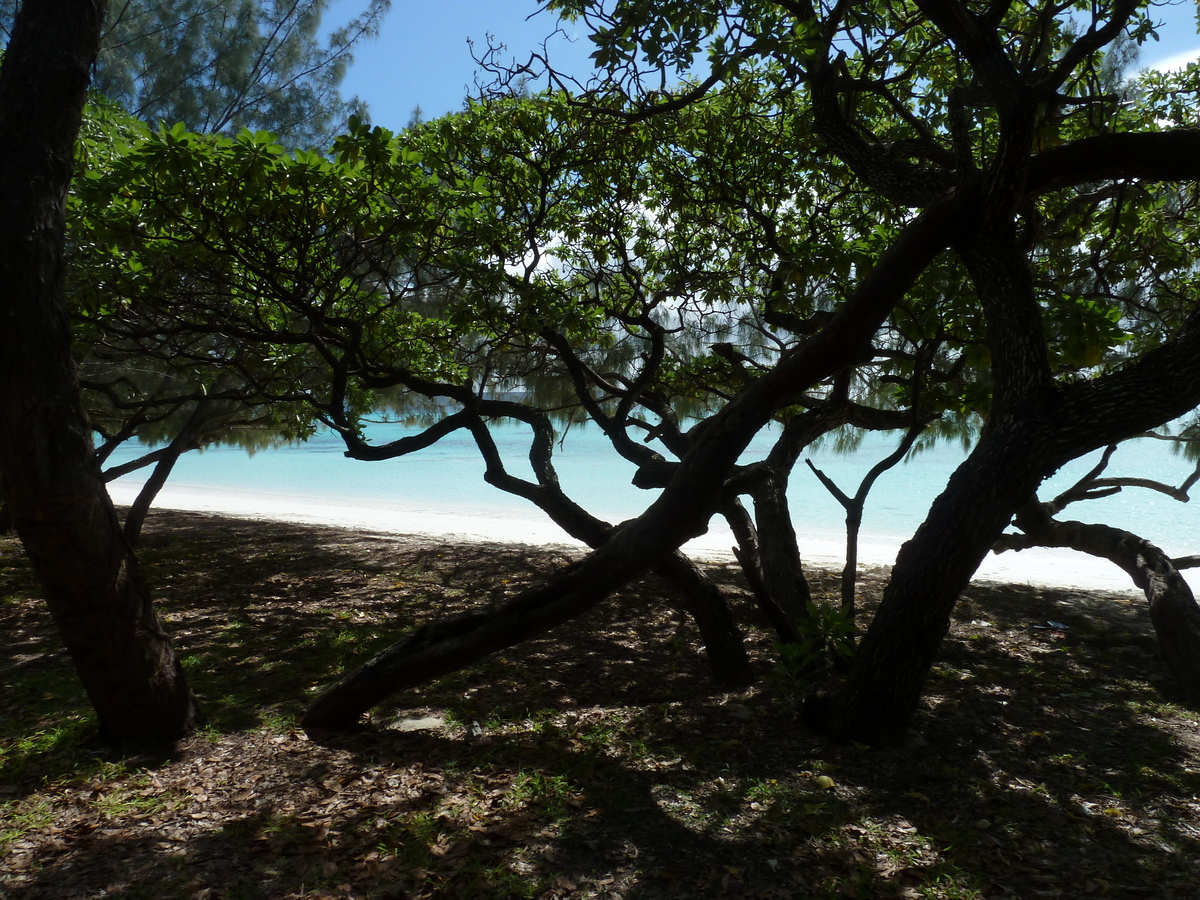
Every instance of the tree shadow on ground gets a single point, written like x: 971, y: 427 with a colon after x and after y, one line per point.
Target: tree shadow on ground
x: 1048, y: 762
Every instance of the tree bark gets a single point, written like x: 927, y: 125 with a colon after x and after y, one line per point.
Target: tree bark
x: 1021, y: 445
x: 51, y: 482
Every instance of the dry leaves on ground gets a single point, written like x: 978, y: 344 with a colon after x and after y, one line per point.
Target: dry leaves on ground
x: 598, y: 762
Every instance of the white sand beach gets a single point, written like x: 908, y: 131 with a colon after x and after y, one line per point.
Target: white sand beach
x: 1055, y: 568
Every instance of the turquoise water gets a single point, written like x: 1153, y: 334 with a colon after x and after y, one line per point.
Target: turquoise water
x: 440, y: 488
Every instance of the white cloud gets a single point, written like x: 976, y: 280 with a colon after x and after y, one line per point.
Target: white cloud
x: 1178, y: 62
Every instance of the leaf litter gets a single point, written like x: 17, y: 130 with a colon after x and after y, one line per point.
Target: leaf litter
x: 598, y: 762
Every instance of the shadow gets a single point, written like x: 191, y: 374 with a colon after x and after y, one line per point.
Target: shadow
x: 1047, y: 762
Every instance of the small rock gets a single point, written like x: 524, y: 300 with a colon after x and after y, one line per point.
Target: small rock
x: 419, y: 723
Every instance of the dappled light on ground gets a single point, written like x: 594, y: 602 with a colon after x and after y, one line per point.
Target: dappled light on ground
x: 600, y: 761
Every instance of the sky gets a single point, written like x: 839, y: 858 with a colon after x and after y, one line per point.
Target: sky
x: 422, y: 56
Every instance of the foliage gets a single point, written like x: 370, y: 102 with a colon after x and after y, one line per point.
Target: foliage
x: 225, y: 66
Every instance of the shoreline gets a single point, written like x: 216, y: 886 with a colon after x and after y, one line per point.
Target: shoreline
x: 1058, y: 570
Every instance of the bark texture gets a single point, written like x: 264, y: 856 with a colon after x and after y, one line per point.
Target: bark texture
x: 51, y: 482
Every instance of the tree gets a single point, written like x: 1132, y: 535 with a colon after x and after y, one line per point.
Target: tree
x: 51, y: 484
x: 970, y: 213
x: 983, y: 122
x: 1173, y: 608
x: 331, y: 265
x: 160, y: 395
x: 382, y: 333
x: 221, y: 66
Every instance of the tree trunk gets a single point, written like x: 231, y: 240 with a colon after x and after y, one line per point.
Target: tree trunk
x: 1036, y: 426
x: 51, y: 482
x: 698, y: 596
x: 749, y: 557
x: 702, y: 600
x: 439, y: 648
x: 930, y: 573
x: 782, y: 568
x: 1173, y: 608
x: 202, y: 423
x: 136, y: 517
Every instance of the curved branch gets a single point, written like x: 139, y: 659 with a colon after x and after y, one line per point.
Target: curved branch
x: 681, y: 512
x: 1157, y: 156
x: 1173, y: 608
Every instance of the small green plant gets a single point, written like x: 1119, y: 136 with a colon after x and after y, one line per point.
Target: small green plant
x: 550, y: 793
x: 826, y: 629
x: 21, y: 817
x: 62, y: 741
x: 277, y: 721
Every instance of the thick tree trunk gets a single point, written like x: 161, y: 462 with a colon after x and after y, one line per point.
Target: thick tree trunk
x: 451, y: 644
x: 930, y: 573
x: 1173, y: 608
x: 723, y: 642
x: 51, y: 482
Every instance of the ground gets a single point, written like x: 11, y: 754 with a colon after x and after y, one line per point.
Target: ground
x: 1048, y: 759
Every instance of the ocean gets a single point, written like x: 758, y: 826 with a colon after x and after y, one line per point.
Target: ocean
x: 440, y: 491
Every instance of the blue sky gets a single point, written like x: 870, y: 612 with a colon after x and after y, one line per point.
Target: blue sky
x: 422, y: 57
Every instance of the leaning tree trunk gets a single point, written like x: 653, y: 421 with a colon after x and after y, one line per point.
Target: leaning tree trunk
x: 719, y: 632
x: 1036, y: 426
x: 697, y: 596
x: 1173, y: 608
x: 681, y: 512
x: 51, y: 482
x: 931, y: 571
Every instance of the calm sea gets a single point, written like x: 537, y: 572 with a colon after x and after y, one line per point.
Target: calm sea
x: 440, y: 491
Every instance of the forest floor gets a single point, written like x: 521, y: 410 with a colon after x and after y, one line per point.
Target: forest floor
x: 1048, y: 760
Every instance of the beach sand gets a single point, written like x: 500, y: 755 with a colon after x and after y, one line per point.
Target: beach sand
x: 1037, y: 568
